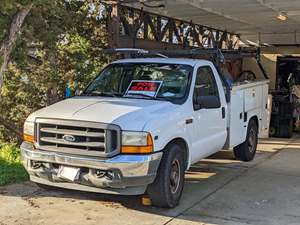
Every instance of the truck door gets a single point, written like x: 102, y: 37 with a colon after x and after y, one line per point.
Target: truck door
x: 210, y: 133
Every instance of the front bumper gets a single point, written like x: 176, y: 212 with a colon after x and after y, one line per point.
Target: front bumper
x: 122, y: 174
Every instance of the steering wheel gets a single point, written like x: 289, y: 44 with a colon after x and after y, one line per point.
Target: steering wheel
x: 247, y: 75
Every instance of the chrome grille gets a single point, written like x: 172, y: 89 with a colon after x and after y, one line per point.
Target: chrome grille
x: 78, y: 137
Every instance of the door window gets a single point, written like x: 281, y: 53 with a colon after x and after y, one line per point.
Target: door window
x: 205, y: 85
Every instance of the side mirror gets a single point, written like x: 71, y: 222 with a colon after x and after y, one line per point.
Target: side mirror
x: 207, y: 102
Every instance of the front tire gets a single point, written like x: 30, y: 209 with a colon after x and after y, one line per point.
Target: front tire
x: 166, y: 190
x: 246, y: 151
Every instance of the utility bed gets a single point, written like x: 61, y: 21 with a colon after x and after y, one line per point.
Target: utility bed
x: 246, y: 99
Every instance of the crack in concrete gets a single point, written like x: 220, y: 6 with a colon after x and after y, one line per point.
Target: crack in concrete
x: 293, y: 216
x: 233, y: 219
x: 282, y: 174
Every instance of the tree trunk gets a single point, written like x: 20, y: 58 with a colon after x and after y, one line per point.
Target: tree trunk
x: 6, y: 48
x: 9, y: 42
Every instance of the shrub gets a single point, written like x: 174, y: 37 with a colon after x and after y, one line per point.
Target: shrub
x: 11, y: 168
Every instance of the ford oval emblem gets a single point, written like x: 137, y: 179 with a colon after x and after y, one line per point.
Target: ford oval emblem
x: 69, y: 138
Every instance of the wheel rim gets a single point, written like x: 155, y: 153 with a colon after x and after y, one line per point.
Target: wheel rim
x: 175, y: 176
x: 252, y: 141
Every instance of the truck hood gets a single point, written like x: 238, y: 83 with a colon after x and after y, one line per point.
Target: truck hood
x: 128, y: 113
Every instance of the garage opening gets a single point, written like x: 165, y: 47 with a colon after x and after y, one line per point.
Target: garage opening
x: 285, y: 107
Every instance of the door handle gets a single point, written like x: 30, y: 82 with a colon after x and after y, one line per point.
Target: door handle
x: 223, y: 112
x: 188, y: 121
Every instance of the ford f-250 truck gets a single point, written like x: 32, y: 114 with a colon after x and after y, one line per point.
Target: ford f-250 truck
x: 139, y: 125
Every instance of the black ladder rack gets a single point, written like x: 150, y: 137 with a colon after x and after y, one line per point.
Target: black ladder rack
x: 216, y: 55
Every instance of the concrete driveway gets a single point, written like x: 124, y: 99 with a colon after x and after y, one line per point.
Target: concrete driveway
x: 218, y: 190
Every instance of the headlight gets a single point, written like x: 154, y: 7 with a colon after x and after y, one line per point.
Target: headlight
x: 28, y: 132
x: 136, y: 142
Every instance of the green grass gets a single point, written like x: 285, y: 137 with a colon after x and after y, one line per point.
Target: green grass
x: 11, y: 168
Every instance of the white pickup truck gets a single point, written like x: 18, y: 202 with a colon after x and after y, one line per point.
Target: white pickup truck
x: 139, y: 125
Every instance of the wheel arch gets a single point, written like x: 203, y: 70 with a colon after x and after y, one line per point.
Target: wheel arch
x: 184, y: 145
x: 255, y: 118
x: 246, y: 150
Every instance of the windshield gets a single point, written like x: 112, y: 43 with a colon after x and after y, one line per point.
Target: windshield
x: 117, y: 79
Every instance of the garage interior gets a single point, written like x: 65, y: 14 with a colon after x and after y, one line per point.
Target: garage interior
x: 270, y: 26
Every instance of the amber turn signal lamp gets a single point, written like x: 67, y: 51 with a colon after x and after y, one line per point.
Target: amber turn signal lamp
x: 28, y: 138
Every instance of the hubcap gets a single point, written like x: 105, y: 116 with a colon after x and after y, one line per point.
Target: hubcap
x: 175, y: 176
x: 251, y: 141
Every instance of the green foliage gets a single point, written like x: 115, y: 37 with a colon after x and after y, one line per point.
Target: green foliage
x: 4, y: 23
x: 11, y: 168
x: 61, y: 44
x: 10, y: 152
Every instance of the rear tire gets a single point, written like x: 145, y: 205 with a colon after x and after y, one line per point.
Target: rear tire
x: 166, y: 190
x: 246, y: 151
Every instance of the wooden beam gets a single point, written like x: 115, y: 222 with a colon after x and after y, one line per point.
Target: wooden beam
x: 125, y: 25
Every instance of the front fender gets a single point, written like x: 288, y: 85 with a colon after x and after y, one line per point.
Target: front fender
x: 167, y: 129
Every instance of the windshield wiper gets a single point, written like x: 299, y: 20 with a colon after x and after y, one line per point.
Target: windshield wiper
x: 104, y: 94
